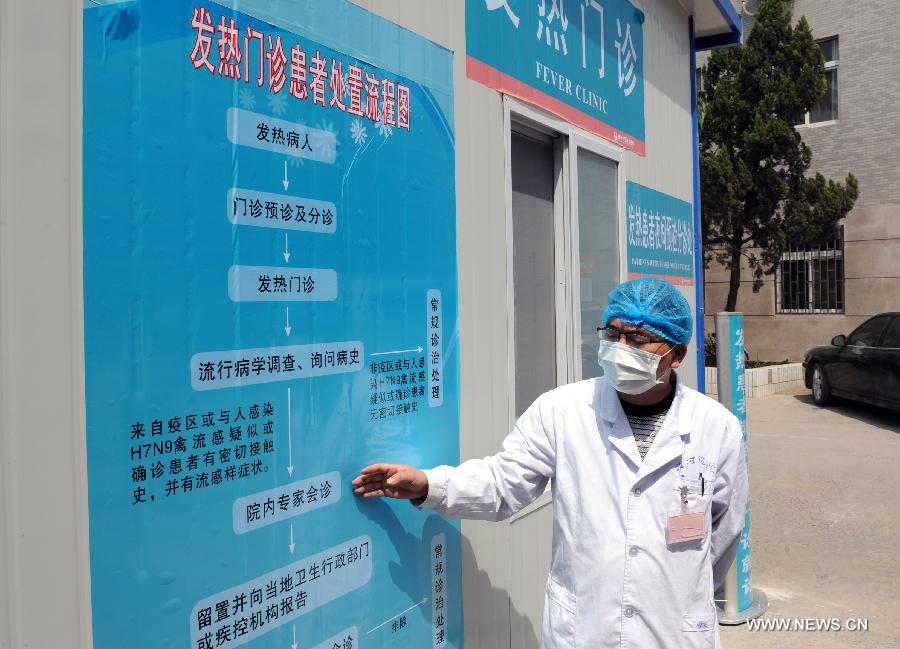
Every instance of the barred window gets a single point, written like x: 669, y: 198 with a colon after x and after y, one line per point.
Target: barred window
x: 811, y: 280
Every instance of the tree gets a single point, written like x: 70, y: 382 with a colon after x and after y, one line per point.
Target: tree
x: 757, y: 196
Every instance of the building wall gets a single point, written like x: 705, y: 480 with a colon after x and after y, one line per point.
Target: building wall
x: 43, y: 487
x: 863, y: 140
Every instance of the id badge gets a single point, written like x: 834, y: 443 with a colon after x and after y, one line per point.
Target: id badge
x: 686, y: 527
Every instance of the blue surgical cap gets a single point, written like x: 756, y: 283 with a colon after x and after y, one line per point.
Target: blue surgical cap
x: 653, y: 304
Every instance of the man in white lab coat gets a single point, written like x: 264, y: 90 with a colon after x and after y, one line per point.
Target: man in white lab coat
x: 649, y: 483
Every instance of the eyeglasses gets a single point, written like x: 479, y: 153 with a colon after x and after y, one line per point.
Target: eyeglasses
x: 634, y: 337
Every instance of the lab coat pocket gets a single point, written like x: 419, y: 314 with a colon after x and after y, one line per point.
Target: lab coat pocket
x: 698, y: 496
x: 558, y: 628
x: 689, y: 507
x: 698, y: 631
x: 698, y: 623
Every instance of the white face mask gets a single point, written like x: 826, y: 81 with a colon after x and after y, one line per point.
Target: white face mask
x: 629, y: 370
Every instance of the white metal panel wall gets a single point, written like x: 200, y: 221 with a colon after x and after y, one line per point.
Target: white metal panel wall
x: 529, y: 558
x: 44, y: 585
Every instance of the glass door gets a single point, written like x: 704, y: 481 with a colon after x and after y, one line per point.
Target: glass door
x: 595, y: 238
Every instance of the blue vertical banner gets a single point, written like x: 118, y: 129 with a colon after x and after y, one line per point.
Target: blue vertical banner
x: 739, y: 603
x: 660, y: 235
x: 270, y: 304
x: 739, y: 408
x: 583, y: 61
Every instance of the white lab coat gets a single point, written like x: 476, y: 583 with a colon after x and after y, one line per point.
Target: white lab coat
x: 614, y: 581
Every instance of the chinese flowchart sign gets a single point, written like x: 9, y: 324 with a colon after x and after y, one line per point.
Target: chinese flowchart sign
x: 270, y: 304
x: 583, y: 61
x: 660, y: 235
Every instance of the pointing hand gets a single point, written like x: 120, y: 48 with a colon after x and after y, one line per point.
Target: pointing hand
x: 391, y: 481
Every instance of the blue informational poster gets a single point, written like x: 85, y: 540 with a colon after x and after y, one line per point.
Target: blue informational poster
x: 270, y: 304
x: 660, y: 233
x: 583, y: 61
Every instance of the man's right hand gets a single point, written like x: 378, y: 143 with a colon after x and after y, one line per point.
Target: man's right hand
x: 391, y: 481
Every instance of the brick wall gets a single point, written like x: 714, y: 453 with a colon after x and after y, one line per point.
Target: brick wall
x: 864, y: 140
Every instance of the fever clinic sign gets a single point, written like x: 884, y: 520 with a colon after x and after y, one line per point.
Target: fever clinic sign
x: 582, y: 61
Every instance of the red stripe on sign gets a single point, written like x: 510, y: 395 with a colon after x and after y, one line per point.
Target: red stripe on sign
x: 493, y: 78
x: 672, y: 279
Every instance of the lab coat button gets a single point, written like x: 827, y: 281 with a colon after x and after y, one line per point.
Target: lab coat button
x: 629, y: 611
x: 637, y: 491
x: 633, y: 551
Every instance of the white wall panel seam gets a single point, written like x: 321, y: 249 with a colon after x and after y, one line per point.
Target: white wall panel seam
x: 8, y: 604
x: 76, y: 247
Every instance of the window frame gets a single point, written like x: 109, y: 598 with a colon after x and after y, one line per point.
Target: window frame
x: 833, y: 64
x: 567, y: 262
x: 810, y: 256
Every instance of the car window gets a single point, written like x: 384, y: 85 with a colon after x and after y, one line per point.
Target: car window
x: 868, y: 333
x: 892, y: 336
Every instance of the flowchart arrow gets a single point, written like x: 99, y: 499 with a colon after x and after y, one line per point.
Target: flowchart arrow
x: 291, y: 545
x: 287, y: 252
x: 290, y: 468
x: 417, y: 605
x: 285, y: 182
x: 398, y: 351
x: 294, y: 643
x: 287, y: 321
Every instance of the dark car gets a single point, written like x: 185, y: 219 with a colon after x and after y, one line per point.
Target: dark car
x: 864, y: 366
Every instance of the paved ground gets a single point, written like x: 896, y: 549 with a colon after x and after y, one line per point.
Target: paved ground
x: 825, y: 486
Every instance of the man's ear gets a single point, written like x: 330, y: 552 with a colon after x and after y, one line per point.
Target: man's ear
x: 678, y: 355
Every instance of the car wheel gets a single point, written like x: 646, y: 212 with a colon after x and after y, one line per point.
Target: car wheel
x: 821, y: 391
